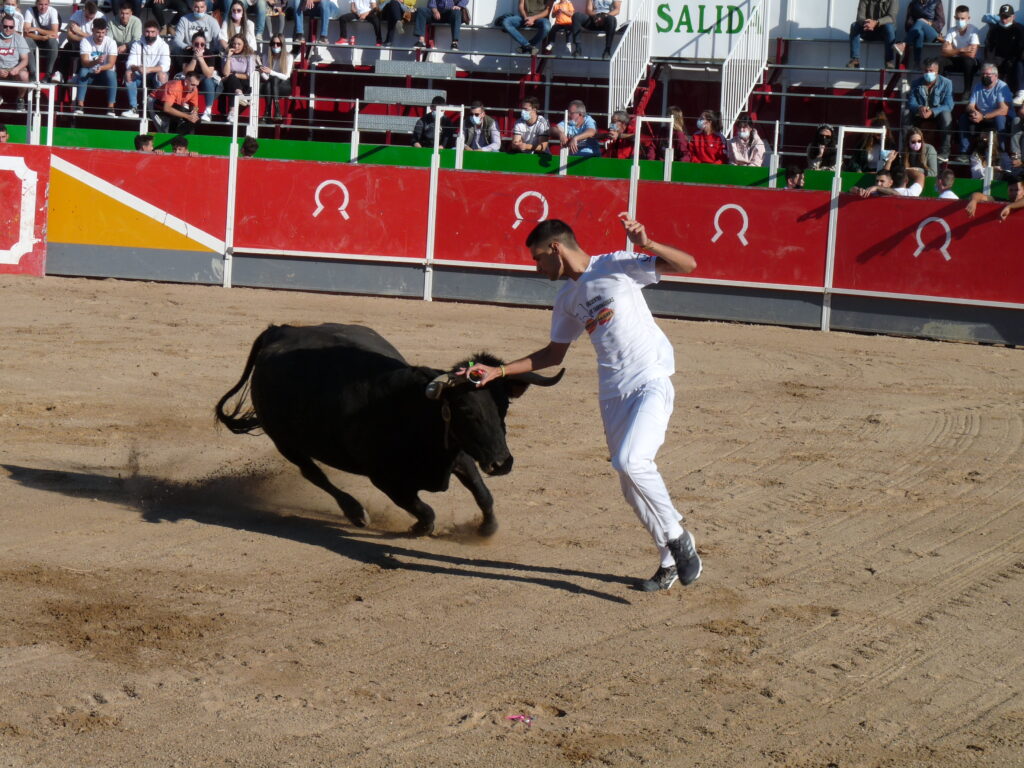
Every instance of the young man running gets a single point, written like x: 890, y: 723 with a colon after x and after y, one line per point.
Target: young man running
x: 634, y: 363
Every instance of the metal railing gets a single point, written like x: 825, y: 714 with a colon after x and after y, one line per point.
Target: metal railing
x: 631, y: 58
x: 745, y: 64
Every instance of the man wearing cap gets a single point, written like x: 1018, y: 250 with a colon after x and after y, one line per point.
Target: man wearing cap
x: 1004, y: 46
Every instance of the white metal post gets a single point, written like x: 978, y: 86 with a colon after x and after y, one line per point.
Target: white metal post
x: 353, y: 154
x: 435, y: 170
x: 773, y: 164
x: 229, y: 225
x: 253, y: 129
x: 563, y: 148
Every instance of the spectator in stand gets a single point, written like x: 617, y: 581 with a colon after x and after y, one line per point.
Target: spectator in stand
x: 893, y: 183
x: 481, y: 130
x: 680, y: 139
x: 872, y: 152
x: 144, y: 143
x: 360, y: 10
x: 876, y: 20
x: 960, y: 48
x: 151, y: 57
x: 236, y: 23
x: 78, y: 29
x: 1017, y: 134
x: 98, y: 55
x: 1014, y: 197
x: 821, y: 152
x: 4, y: 136
x: 315, y: 9
x: 979, y: 159
x: 919, y: 154
x: 423, y: 131
x: 531, y: 14
x: 42, y: 30
x: 180, y: 100
x: 250, y: 147
x: 621, y: 132
x: 562, y: 12
x: 262, y: 10
x: 125, y: 29
x: 13, y: 58
x: 200, y: 59
x: 393, y: 12
x: 531, y: 132
x: 944, y: 185
x: 1004, y: 46
x: 707, y: 144
x: 745, y: 147
x: 987, y: 110
x: 236, y: 73
x: 579, y: 134
x: 794, y: 177
x: 168, y: 13
x: 197, y: 21
x: 600, y: 16
x: 925, y: 21
x: 931, y: 99
x: 179, y: 147
x: 10, y: 8
x: 276, y: 71
x: 439, y: 12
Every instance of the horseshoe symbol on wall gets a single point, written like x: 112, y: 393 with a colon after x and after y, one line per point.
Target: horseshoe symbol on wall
x: 519, y: 201
x: 320, y: 206
x: 945, y: 245
x: 29, y: 181
x: 742, y: 234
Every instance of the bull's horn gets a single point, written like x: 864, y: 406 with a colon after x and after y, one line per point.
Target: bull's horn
x: 438, y: 385
x: 538, y: 379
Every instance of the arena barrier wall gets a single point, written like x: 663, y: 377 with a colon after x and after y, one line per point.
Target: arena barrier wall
x: 915, y: 267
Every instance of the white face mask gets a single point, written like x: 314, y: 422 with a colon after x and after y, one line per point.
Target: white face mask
x: 962, y: 23
x: 744, y: 134
x: 9, y: 10
x: 476, y: 119
x: 275, y: 48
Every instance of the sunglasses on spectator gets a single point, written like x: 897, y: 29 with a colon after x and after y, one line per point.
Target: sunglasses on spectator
x: 198, y: 45
x: 8, y: 26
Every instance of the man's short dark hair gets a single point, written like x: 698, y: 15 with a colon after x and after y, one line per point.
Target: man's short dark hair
x: 90, y: 6
x: 100, y: 23
x: 128, y: 4
x: 792, y: 171
x: 929, y: 62
x: 142, y: 139
x: 533, y: 101
x: 899, y: 178
x: 552, y: 229
x: 477, y: 105
x: 883, y: 172
x: 962, y: 9
x: 250, y: 147
x: 195, y: 74
x: 151, y: 24
x: 947, y: 177
x: 179, y: 141
x: 437, y: 100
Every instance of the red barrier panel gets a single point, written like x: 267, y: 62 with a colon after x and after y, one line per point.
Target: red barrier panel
x: 929, y: 248
x: 741, y: 234
x: 24, y: 179
x: 334, y: 208
x: 193, y: 189
x: 485, y: 217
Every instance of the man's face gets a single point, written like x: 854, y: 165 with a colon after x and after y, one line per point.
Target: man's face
x: 477, y: 112
x: 575, y: 116
x: 934, y: 68
x: 527, y: 108
x: 42, y: 6
x: 147, y: 147
x: 992, y: 73
x: 1008, y: 20
x: 3, y: 137
x: 8, y: 27
x: 964, y: 17
x: 180, y: 150
x: 151, y: 34
x: 883, y: 181
x: 199, y: 7
x: 99, y: 35
x: 549, y: 262
x: 795, y: 182
x: 126, y: 15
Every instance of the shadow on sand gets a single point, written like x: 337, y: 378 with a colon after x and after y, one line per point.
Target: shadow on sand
x: 235, y: 501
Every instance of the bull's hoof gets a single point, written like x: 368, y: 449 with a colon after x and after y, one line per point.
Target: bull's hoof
x: 422, y: 528
x: 487, y: 528
x: 359, y: 519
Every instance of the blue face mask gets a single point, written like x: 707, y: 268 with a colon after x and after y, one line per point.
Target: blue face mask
x: 199, y: 14
x: 962, y: 23
x: 525, y: 114
x: 476, y: 119
x: 9, y: 10
x: 701, y: 122
x: 930, y: 77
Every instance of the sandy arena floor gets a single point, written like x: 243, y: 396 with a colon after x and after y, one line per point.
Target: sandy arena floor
x: 175, y: 595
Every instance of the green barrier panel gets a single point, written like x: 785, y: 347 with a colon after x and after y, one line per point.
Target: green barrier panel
x: 510, y: 163
x: 16, y: 134
x: 708, y: 173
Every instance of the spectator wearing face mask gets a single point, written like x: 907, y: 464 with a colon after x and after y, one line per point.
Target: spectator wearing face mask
x: 1004, y: 46
x: 988, y: 109
x: 745, y: 147
x: 873, y: 151
x: 13, y: 58
x: 930, y: 100
x: 199, y: 21
x: 821, y: 152
x: 619, y: 142
x: 919, y: 154
x: 236, y: 23
x: 276, y: 72
x: 707, y: 144
x: 960, y: 48
x: 149, y: 57
x: 531, y: 132
x: 481, y: 131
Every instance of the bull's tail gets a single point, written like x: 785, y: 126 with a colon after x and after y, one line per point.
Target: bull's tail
x: 242, y: 418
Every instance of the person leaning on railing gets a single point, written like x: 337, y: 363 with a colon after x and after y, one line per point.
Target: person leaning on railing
x: 745, y: 147
x: 707, y: 144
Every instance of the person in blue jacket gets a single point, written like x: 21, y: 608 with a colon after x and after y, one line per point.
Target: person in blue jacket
x: 931, y: 99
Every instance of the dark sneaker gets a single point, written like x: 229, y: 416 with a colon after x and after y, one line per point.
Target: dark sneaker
x: 455, y: 45
x: 663, y: 578
x: 684, y: 552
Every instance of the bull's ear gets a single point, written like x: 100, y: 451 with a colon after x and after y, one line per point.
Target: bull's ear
x: 438, y: 385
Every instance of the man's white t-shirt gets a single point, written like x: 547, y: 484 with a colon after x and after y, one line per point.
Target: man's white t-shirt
x: 78, y: 17
x: 95, y: 51
x: 42, y: 20
x: 914, y: 190
x: 606, y: 301
x: 949, y: 194
x: 959, y: 39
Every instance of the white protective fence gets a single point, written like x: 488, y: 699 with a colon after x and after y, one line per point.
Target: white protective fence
x: 745, y: 64
x: 631, y: 58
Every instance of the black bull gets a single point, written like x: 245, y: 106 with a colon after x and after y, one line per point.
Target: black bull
x: 343, y: 396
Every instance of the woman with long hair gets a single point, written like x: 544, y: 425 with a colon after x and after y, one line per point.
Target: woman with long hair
x: 707, y: 144
x: 920, y: 154
x: 236, y: 23
x: 745, y: 147
x: 237, y: 71
x: 276, y: 72
x: 680, y: 139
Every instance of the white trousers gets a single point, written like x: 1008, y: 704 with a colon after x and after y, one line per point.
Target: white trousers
x: 634, y: 426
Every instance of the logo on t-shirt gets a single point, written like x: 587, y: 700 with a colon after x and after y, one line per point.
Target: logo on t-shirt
x: 598, y: 313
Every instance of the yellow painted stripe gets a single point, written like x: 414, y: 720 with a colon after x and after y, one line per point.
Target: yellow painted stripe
x: 80, y: 214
